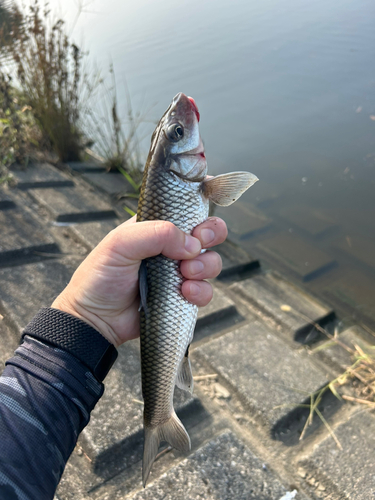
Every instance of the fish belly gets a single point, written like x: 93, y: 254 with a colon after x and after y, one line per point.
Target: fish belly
x: 166, y: 332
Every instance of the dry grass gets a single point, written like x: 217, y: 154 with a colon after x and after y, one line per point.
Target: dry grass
x: 10, y: 23
x: 52, y: 81
x: 116, y: 137
x: 20, y: 138
x: 359, y: 376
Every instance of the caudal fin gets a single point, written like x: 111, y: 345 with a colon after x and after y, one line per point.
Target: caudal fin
x: 173, y: 432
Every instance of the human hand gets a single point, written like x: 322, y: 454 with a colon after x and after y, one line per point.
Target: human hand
x: 103, y: 291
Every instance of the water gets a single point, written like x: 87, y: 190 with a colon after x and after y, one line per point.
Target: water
x: 286, y: 89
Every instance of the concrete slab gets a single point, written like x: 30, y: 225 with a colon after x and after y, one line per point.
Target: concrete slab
x: 269, y: 378
x: 92, y: 233
x: 22, y: 236
x: 347, y: 473
x: 246, y: 221
x: 40, y: 175
x: 224, y: 468
x: 113, y: 439
x: 358, y: 248
x: 303, y: 260
x: 286, y: 304
x: 5, y: 200
x: 8, y: 344
x: 311, y: 221
x: 219, y: 314
x: 353, y: 295
x: 86, y: 166
x: 237, y: 264
x: 219, y: 303
x: 336, y: 355
x: 25, y: 289
x: 264, y: 194
x: 112, y: 183
x: 72, y: 204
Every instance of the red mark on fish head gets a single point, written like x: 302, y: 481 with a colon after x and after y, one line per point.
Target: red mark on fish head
x: 195, y: 107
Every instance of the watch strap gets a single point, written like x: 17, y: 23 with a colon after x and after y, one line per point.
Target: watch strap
x: 71, y: 334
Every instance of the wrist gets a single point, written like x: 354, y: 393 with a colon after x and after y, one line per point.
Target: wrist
x: 69, y: 333
x: 63, y: 304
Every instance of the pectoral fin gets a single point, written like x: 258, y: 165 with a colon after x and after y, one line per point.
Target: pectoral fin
x: 225, y: 189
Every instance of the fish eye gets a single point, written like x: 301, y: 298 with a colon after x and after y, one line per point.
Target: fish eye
x: 175, y: 132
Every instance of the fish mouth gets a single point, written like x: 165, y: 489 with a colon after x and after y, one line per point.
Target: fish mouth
x: 195, y: 107
x: 198, y: 151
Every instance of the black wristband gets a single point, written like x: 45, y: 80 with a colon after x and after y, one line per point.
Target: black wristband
x: 73, y: 335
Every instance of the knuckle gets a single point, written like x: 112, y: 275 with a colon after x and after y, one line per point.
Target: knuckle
x: 164, y: 229
x: 216, y: 263
x: 219, y: 264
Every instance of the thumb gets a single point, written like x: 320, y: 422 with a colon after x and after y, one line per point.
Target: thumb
x: 138, y: 241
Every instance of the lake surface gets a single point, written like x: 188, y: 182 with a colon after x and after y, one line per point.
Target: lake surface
x: 286, y: 89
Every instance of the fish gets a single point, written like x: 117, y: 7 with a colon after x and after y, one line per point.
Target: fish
x: 176, y: 188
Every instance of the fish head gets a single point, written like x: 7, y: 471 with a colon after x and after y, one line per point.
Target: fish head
x: 177, y: 140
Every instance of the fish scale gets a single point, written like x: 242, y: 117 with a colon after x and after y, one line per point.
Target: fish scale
x: 167, y: 327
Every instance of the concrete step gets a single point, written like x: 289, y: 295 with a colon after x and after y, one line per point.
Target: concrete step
x: 246, y: 221
x: 304, y: 261
x: 69, y: 204
x: 347, y: 473
x: 86, y: 166
x: 41, y: 175
x: 8, y: 343
x: 313, y: 223
x: 237, y: 264
x: 335, y: 355
x: 220, y: 314
x: 22, y: 237
x: 286, y: 304
x: 5, y: 200
x: 113, y: 440
x: 25, y: 289
x: 113, y: 183
x: 224, y: 468
x: 92, y: 233
x: 270, y: 379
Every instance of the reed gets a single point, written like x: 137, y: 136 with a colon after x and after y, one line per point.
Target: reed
x: 51, y: 78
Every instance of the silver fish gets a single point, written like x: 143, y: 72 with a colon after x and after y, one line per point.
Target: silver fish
x: 175, y: 188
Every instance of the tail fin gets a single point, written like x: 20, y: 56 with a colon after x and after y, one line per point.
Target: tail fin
x: 173, y: 432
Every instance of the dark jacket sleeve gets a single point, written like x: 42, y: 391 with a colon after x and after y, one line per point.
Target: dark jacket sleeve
x: 46, y: 396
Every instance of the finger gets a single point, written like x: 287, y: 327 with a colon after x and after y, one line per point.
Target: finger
x: 132, y: 220
x: 211, y: 232
x: 135, y: 242
x: 197, y: 292
x: 205, y: 266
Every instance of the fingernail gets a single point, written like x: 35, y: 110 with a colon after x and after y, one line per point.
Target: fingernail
x: 194, y: 289
x: 195, y: 267
x: 207, y: 235
x: 192, y: 245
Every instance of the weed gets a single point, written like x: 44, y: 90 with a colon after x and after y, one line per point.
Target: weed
x: 20, y: 137
x: 117, y: 140
x: 362, y: 370
x: 49, y: 71
x: 10, y: 24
